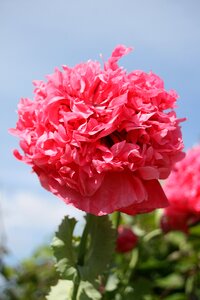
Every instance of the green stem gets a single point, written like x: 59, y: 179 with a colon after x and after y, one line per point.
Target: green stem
x: 76, y: 281
x: 118, y: 219
x: 81, y: 255
x: 83, y: 242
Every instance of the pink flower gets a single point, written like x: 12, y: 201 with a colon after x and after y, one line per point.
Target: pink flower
x: 100, y: 139
x: 174, y: 220
x: 183, y: 191
x: 126, y: 239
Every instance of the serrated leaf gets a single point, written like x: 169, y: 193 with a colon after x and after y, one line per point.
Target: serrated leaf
x: 63, y: 248
x: 100, y: 249
x: 61, y: 291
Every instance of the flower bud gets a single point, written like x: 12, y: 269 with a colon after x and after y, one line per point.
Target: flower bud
x: 126, y: 240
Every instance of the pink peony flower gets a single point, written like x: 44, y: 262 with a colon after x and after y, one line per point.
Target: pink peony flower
x: 183, y: 191
x: 100, y: 139
x: 126, y: 239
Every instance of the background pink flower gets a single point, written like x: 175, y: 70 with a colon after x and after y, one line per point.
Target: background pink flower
x: 183, y: 191
x: 101, y: 139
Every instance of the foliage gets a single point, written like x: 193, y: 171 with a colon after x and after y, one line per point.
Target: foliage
x: 161, y: 266
x: 30, y: 280
x: 82, y: 262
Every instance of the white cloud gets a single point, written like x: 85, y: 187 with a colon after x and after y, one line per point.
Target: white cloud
x: 31, y: 219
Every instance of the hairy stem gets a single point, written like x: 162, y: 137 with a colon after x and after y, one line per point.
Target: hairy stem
x: 81, y: 256
x: 83, y: 242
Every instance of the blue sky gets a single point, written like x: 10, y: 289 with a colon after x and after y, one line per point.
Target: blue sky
x: 36, y: 36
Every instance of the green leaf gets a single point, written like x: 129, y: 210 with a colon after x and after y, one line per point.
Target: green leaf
x: 139, y: 290
x: 61, y: 291
x: 100, y: 248
x: 64, y: 290
x: 195, y: 230
x: 177, y: 296
x: 88, y: 292
x: 177, y: 238
x: 112, y: 283
x: 189, y: 285
x: 63, y: 248
x: 172, y: 281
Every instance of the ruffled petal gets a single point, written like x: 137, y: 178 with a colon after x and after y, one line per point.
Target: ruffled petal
x: 156, y: 199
